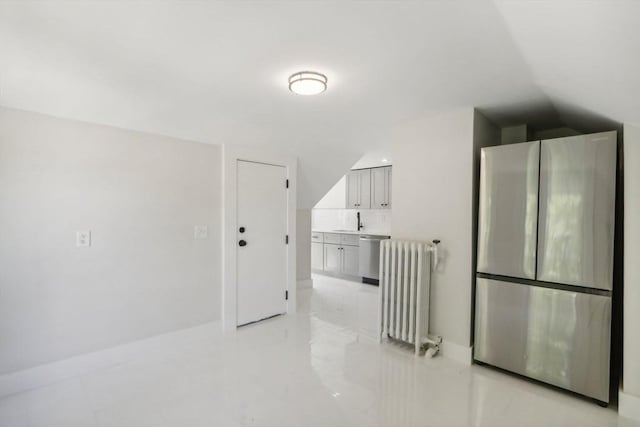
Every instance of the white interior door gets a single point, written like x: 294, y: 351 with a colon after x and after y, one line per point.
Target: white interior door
x: 261, y: 247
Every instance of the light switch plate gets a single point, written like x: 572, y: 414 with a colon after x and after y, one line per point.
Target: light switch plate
x: 200, y: 232
x: 83, y: 239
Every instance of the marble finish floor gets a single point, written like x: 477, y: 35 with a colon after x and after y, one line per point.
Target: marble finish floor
x: 320, y: 367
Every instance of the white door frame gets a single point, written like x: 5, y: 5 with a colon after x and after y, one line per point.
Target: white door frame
x: 231, y: 155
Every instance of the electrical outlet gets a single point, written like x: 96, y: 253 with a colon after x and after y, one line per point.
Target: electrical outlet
x: 200, y: 232
x: 83, y: 239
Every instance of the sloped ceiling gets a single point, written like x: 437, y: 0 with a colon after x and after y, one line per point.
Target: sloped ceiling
x: 584, y: 55
x: 216, y: 71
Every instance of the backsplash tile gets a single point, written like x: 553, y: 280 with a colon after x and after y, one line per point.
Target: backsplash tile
x: 375, y: 221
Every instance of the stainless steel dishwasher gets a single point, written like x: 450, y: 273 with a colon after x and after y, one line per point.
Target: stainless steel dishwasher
x: 370, y: 258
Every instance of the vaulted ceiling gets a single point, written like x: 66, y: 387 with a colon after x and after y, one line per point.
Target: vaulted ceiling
x: 217, y: 71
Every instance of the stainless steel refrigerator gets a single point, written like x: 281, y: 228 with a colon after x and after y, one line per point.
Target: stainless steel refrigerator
x: 545, y: 260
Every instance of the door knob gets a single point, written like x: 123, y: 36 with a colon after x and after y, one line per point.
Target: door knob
x: 242, y: 243
x: 242, y: 229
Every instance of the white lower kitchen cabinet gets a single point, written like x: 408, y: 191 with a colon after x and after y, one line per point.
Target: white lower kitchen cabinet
x: 317, y: 256
x: 341, y: 259
x: 336, y: 254
x: 332, y: 258
x: 350, y: 260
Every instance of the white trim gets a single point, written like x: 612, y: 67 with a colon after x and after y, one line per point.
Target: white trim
x: 231, y: 155
x: 305, y: 283
x: 629, y: 406
x: 456, y: 352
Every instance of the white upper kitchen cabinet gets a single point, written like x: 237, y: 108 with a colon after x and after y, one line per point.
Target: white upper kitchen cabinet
x: 353, y: 189
x: 359, y: 189
x: 381, y: 188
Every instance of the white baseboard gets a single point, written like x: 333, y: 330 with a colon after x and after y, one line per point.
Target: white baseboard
x: 456, y: 352
x: 305, y: 284
x: 629, y: 406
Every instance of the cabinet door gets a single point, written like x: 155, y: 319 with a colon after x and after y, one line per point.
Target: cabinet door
x: 387, y: 188
x: 332, y: 258
x: 353, y: 189
x: 350, y: 260
x: 378, y: 188
x: 365, y: 189
x: 577, y: 210
x: 317, y: 256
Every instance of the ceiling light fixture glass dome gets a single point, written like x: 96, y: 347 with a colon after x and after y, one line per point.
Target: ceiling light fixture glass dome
x: 307, y: 83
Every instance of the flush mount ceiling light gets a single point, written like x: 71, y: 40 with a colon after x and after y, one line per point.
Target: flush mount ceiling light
x: 307, y: 83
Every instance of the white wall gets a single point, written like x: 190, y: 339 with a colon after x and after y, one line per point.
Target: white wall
x: 336, y: 197
x: 303, y: 247
x: 433, y: 197
x: 144, y: 274
x: 630, y: 399
x: 319, y: 169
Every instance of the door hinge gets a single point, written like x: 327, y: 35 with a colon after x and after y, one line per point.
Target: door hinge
x: 287, y: 183
x: 286, y: 295
x: 286, y: 239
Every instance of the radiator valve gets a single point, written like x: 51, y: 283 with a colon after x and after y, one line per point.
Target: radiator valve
x: 432, y: 346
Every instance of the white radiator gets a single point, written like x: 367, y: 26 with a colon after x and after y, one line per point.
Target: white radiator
x: 405, y: 279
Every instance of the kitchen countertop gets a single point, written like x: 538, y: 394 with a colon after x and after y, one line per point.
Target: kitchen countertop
x: 359, y: 233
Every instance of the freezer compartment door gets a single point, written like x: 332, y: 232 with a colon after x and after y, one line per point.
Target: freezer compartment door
x: 555, y: 336
x: 577, y: 210
x: 508, y: 210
